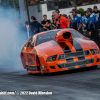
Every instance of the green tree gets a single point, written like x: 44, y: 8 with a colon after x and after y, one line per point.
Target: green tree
x: 81, y: 11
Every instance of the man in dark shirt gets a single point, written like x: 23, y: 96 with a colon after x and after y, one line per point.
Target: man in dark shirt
x: 46, y: 23
x: 35, y: 25
x: 97, y: 12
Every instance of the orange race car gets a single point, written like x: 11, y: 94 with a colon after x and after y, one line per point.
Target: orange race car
x: 59, y: 50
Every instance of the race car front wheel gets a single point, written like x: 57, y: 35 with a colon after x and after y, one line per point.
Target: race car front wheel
x: 40, y: 66
x: 41, y: 69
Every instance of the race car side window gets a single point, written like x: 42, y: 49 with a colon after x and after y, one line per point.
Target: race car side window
x: 31, y: 41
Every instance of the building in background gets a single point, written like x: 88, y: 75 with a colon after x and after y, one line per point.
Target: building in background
x: 38, y: 8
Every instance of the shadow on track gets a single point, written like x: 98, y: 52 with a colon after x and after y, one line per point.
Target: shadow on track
x: 66, y: 72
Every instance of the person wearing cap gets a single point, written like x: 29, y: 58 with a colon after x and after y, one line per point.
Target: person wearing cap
x: 97, y: 12
x: 61, y: 21
x: 92, y: 24
x: 77, y: 21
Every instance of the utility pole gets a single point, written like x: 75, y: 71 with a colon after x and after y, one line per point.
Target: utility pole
x: 14, y: 7
x: 14, y: 4
x: 27, y: 11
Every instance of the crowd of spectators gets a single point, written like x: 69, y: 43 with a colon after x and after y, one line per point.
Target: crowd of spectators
x: 90, y: 22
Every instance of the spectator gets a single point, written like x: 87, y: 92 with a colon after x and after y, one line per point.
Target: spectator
x: 70, y: 5
x: 53, y: 24
x: 92, y: 25
x: 71, y: 21
x: 97, y: 12
x: 85, y: 19
x: 35, y: 25
x: 77, y: 21
x: 46, y: 23
x: 61, y: 21
x: 79, y: 3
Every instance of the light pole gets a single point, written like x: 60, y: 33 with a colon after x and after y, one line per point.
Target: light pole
x: 75, y: 4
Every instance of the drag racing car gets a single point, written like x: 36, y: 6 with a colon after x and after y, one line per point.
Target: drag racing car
x: 59, y: 50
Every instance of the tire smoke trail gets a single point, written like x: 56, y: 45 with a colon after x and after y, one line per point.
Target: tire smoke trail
x: 12, y: 39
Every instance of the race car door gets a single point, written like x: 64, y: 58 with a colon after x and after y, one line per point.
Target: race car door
x: 30, y: 56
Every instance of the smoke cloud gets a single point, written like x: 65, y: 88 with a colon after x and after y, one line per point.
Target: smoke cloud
x: 12, y: 39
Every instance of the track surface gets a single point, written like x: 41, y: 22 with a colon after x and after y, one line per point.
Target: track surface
x: 82, y: 84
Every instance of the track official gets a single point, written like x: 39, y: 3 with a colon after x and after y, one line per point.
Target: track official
x: 97, y: 12
x: 77, y: 21
x: 92, y: 25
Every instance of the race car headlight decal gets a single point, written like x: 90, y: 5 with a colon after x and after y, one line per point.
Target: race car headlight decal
x: 62, y: 56
x: 52, y: 58
x: 86, y: 52
x: 94, y: 51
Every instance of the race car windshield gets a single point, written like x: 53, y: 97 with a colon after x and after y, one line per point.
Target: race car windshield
x: 50, y: 36
x: 45, y: 37
x: 77, y: 34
